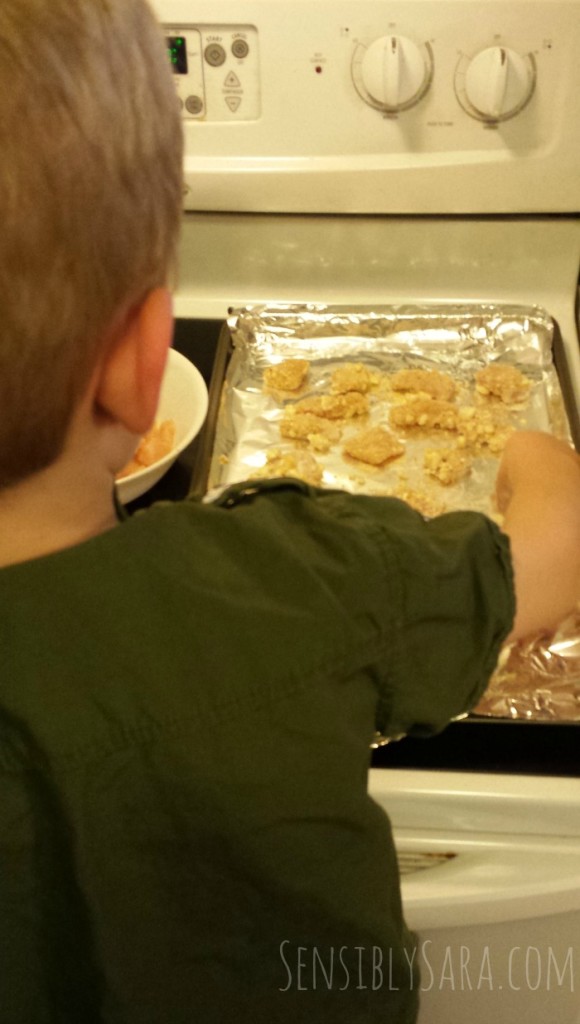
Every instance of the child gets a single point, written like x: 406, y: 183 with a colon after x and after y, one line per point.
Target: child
x: 187, y: 697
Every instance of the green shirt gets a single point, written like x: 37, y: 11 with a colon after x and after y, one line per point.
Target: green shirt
x: 186, y: 707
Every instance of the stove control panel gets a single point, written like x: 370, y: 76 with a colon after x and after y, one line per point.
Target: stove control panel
x: 216, y: 71
x: 363, y: 106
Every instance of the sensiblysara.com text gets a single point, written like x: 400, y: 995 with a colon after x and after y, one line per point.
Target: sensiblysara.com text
x: 454, y: 968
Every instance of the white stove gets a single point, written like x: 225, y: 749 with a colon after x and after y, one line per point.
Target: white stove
x: 360, y: 151
x: 365, y: 152
x: 362, y: 106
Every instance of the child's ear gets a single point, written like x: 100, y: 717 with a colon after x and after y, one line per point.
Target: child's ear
x: 130, y: 375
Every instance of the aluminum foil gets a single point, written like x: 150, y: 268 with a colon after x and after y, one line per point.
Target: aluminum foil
x: 537, y: 680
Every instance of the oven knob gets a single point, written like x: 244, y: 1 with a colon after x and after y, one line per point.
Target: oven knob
x: 395, y: 73
x: 498, y: 84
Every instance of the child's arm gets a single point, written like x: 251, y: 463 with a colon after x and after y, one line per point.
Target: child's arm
x: 538, y: 492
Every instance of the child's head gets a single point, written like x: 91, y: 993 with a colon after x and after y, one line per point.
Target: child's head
x: 90, y: 197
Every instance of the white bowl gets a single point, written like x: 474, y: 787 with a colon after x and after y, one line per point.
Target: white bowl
x: 184, y: 400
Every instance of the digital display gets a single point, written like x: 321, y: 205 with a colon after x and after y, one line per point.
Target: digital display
x: 177, y: 54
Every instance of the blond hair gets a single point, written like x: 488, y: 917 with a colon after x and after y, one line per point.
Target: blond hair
x: 90, y: 198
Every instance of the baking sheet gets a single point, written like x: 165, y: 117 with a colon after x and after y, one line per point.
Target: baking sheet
x: 458, y: 340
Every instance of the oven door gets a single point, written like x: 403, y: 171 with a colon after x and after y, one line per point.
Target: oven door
x: 492, y: 941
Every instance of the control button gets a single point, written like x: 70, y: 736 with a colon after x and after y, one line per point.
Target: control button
x: 232, y: 81
x: 233, y: 102
x: 215, y: 55
x: 395, y: 73
x: 498, y: 84
x: 194, y: 104
x: 240, y: 48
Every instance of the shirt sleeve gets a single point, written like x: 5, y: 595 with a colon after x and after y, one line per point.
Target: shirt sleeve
x: 441, y: 590
x: 453, y: 608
